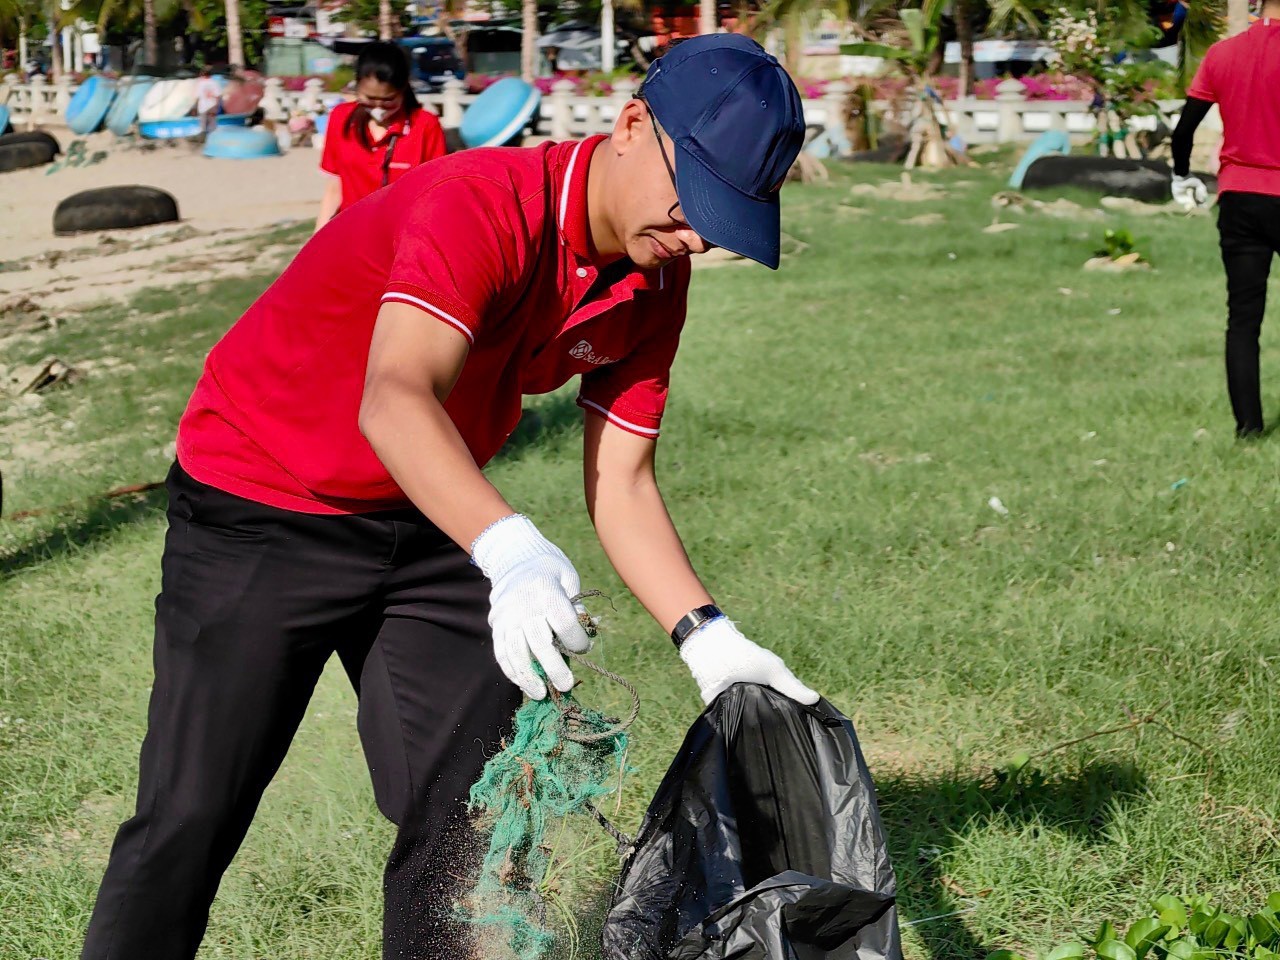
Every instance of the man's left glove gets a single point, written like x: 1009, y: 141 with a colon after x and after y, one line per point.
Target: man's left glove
x: 1189, y: 191
x: 530, y: 603
x: 719, y: 656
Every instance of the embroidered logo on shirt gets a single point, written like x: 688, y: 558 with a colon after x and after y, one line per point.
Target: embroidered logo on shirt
x: 582, y: 351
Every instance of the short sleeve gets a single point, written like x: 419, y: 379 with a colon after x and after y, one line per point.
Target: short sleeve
x: 631, y: 393
x: 1202, y: 87
x: 433, y: 139
x: 462, y: 243
x: 332, y: 136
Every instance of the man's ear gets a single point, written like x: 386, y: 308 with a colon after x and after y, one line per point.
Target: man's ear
x: 631, y: 127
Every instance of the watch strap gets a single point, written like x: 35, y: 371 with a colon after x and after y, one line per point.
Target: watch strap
x: 692, y: 620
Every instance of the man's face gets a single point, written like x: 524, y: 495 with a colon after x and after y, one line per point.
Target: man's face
x: 652, y: 224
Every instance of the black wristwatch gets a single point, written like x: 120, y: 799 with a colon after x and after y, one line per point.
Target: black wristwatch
x: 691, y: 621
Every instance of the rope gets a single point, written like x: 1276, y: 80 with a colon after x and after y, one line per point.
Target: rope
x: 572, y: 717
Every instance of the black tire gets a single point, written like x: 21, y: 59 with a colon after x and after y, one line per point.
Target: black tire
x: 1146, y: 180
x: 113, y: 208
x: 25, y: 153
x: 892, y: 149
x: 32, y: 136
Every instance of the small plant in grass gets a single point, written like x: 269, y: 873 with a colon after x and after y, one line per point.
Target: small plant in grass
x: 1120, y: 243
x: 1178, y: 929
x: 1120, y: 250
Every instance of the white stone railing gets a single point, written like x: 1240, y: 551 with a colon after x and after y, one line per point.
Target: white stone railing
x: 563, y: 115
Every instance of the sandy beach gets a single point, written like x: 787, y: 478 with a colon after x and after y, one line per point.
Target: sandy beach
x: 223, y: 205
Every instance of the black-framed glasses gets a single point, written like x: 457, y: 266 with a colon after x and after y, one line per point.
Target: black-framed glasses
x: 671, y: 214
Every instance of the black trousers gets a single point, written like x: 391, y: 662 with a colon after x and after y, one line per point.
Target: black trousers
x: 254, y: 600
x: 1249, y: 232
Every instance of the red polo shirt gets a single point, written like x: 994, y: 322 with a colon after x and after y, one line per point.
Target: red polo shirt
x: 493, y: 242
x: 1242, y: 76
x: 360, y: 169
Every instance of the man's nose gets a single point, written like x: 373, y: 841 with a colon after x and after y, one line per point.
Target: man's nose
x: 693, y: 243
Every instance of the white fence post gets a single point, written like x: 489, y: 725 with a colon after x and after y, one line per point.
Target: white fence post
x: 1011, y: 97
x: 834, y: 102
x: 310, y: 99
x: 272, y: 102
x: 451, y: 103
x: 561, y: 109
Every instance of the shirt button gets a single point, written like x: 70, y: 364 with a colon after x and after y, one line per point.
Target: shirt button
x: 582, y: 272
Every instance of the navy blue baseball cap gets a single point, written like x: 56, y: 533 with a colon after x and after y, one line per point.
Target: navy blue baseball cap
x: 737, y: 124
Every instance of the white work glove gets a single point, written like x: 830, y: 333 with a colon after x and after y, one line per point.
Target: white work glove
x: 1189, y: 191
x: 719, y: 656
x: 530, y: 603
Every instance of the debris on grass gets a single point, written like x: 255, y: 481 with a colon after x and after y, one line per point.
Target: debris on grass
x: 924, y: 220
x: 49, y: 372
x: 904, y: 190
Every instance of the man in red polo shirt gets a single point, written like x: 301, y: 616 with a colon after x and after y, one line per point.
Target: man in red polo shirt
x: 1242, y: 76
x: 328, y: 495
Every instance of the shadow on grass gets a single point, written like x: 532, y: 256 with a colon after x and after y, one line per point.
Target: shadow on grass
x: 926, y: 818
x: 77, y: 528
x: 545, y: 421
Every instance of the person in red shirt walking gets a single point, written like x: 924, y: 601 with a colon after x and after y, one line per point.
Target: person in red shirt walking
x: 1242, y: 76
x: 379, y: 137
x: 328, y: 496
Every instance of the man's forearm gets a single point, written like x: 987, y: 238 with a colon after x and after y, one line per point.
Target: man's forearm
x: 642, y: 544
x: 419, y: 445
x: 1193, y: 112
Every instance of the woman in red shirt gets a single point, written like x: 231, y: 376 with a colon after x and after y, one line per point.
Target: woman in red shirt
x: 376, y: 139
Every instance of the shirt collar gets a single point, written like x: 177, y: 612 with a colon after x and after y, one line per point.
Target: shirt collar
x: 572, y: 221
x: 569, y: 179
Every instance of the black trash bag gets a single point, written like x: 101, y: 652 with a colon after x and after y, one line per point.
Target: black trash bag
x: 763, y: 842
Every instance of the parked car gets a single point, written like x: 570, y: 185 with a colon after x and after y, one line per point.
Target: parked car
x: 433, y: 60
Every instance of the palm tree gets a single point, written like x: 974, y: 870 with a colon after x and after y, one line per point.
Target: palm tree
x: 529, y: 40
x: 235, y: 39
x: 124, y: 12
x: 386, y: 20
x: 909, y: 44
x: 964, y: 36
x: 706, y: 16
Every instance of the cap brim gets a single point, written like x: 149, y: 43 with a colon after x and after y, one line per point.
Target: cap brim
x: 725, y: 216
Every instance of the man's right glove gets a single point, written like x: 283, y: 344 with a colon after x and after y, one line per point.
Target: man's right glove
x: 530, y: 603
x: 1189, y: 191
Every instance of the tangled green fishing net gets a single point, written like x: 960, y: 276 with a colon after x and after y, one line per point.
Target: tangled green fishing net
x: 542, y: 774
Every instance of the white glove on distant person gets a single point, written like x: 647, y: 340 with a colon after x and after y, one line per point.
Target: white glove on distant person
x: 1189, y: 191
x: 719, y: 656
x: 529, y: 603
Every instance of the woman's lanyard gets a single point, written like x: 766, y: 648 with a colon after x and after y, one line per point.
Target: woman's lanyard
x: 386, y: 160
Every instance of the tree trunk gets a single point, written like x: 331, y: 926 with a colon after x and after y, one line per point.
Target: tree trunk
x: 448, y: 12
x: 964, y: 35
x: 22, y: 45
x: 150, y: 33
x: 235, y: 39
x: 793, y: 32
x: 1237, y: 16
x: 386, y: 21
x: 529, y: 40
x: 55, y: 46
x: 606, y: 36
x: 707, y: 16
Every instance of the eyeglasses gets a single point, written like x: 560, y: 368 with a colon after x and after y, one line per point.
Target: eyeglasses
x: 671, y: 214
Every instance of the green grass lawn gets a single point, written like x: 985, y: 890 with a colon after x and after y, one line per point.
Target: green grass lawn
x: 835, y: 434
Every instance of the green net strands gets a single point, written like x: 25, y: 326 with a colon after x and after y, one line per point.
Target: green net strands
x: 561, y: 757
